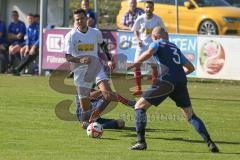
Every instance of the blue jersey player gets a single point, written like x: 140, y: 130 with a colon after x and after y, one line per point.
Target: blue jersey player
x: 30, y: 51
x: 16, y: 33
x: 172, y: 82
x: 96, y: 99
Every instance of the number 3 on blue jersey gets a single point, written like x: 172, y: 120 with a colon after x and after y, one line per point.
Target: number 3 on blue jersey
x: 176, y: 59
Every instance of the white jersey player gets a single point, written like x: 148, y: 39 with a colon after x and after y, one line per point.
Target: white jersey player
x: 81, y: 49
x: 142, y: 29
x: 79, y: 44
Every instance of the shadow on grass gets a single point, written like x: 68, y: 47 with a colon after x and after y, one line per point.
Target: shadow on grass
x: 193, y: 141
x: 132, y: 129
x: 193, y: 152
x: 217, y: 99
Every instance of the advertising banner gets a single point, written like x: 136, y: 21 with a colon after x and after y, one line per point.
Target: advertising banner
x: 214, y: 57
x: 53, y: 56
x: 219, y: 58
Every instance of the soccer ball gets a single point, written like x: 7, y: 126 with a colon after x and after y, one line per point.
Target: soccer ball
x: 95, y: 130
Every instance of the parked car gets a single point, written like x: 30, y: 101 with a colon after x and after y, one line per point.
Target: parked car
x: 211, y: 17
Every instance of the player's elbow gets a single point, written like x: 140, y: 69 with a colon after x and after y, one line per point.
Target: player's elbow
x: 189, y: 68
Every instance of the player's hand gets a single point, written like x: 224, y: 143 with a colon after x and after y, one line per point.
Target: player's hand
x: 95, y: 114
x: 111, y: 65
x: 19, y: 36
x: 84, y: 60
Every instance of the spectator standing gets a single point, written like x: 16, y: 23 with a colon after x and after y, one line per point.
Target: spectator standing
x: 131, y: 15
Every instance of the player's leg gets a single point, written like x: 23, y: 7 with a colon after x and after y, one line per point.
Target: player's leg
x: 137, y: 77
x: 103, y: 83
x: 199, y: 126
x: 153, y: 64
x: 111, y: 123
x: 26, y: 60
x: 14, y: 50
x: 109, y: 95
x: 83, y: 91
x: 22, y: 51
x: 154, y: 96
x: 181, y: 97
x: 138, y: 74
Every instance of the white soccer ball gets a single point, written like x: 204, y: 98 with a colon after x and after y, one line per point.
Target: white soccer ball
x: 95, y: 130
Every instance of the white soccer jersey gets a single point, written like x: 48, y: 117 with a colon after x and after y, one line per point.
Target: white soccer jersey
x: 82, y: 44
x: 145, y: 27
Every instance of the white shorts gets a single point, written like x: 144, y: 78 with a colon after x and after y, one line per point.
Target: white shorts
x: 101, y: 76
x: 140, y: 51
x: 79, y: 75
x: 84, y: 87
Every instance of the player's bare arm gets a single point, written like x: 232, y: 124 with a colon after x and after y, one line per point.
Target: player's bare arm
x: 81, y: 60
x: 104, y: 48
x: 188, y: 67
x: 137, y: 35
x: 146, y: 55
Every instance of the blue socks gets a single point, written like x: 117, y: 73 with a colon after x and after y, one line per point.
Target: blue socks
x: 140, y: 124
x: 200, y: 128
x: 102, y: 104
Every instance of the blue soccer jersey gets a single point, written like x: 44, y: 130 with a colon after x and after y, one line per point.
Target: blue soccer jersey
x: 170, y: 61
x: 16, y: 28
x: 2, y: 33
x: 32, y: 35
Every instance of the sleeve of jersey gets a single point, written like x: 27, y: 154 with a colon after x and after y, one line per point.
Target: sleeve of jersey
x: 154, y: 46
x: 136, y: 25
x: 100, y: 37
x: 183, y: 58
x: 67, y: 44
x: 23, y: 29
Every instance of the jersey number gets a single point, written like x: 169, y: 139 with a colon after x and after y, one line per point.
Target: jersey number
x: 176, y: 59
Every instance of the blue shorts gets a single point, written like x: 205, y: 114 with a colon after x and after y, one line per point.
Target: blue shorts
x: 158, y: 92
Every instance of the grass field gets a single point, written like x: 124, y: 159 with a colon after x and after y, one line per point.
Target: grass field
x: 31, y: 130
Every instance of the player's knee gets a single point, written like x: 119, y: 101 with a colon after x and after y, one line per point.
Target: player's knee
x: 120, y: 123
x: 188, y: 113
x: 142, y: 104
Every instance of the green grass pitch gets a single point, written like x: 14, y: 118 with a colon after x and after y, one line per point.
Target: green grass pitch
x: 32, y: 127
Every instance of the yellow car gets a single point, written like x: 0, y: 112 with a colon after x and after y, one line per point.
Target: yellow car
x: 209, y: 17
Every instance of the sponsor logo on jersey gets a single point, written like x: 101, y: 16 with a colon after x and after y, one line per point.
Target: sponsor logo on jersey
x: 85, y: 47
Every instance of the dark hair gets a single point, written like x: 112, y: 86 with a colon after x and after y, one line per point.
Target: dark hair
x: 36, y: 15
x: 15, y: 12
x: 79, y: 11
x: 149, y: 2
x: 30, y: 15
